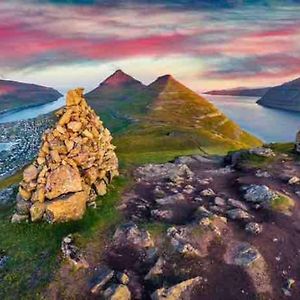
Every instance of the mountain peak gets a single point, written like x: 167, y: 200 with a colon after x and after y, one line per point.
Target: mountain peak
x: 119, y: 78
x: 166, y: 82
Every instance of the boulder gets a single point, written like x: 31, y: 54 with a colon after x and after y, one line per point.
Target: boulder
x: 37, y: 210
x: 117, y: 292
x: 180, y: 291
x: 30, y: 173
x: 63, y: 180
x: 258, y: 193
x: 66, y: 208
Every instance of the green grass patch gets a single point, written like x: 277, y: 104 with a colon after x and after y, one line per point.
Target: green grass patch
x: 156, y: 229
x: 33, y: 248
x: 4, y: 183
x: 282, y: 203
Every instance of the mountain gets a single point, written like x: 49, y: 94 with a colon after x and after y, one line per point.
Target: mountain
x: 119, y: 99
x: 16, y: 95
x: 285, y: 96
x: 255, y: 92
x: 178, y: 119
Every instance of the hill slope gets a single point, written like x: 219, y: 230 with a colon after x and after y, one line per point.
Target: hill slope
x: 178, y: 119
x: 15, y: 95
x: 255, y: 92
x: 285, y: 96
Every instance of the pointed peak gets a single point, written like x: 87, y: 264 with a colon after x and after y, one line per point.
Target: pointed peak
x: 165, y: 81
x: 119, y: 78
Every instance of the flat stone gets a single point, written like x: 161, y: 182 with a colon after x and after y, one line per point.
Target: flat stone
x: 100, y: 187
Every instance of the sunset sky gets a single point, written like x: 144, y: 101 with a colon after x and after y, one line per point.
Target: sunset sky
x: 65, y: 45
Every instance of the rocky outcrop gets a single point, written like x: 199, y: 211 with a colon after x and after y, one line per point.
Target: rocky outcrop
x: 76, y: 159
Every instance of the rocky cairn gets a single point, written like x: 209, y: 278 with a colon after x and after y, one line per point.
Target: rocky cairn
x: 75, y: 163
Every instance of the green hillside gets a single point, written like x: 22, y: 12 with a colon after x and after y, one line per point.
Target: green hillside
x: 165, y: 118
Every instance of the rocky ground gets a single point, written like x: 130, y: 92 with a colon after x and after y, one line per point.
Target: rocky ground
x: 197, y: 228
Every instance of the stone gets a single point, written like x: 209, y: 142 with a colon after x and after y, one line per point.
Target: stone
x: 22, y: 206
x: 122, y: 278
x: 74, y: 126
x: 162, y: 214
x: 179, y: 291
x: 16, y: 218
x: 253, y: 228
x: 156, y: 271
x: 238, y: 214
x: 74, y: 97
x: 67, y: 208
x: 258, y: 193
x: 63, y: 180
x: 130, y: 233
x: 294, y: 180
x: 262, y: 151
x: 26, y: 195
x: 207, y: 193
x: 237, y: 204
x: 104, y: 275
x: 100, y: 187
x: 220, y: 201
x: 30, y: 173
x: 37, y: 210
x: 244, y: 254
x: 117, y: 292
x: 259, y: 173
x: 72, y: 253
x: 202, y: 212
x: 172, y: 199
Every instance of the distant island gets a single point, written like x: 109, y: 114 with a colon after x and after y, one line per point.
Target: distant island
x: 285, y: 96
x: 17, y: 95
x: 240, y: 91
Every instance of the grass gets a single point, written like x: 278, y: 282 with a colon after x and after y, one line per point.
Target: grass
x: 282, y: 203
x: 33, y: 248
x: 4, y: 183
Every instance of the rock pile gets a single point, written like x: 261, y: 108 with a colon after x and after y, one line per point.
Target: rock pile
x: 76, y: 161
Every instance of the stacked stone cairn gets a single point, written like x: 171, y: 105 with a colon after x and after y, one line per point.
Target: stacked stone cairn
x: 75, y: 163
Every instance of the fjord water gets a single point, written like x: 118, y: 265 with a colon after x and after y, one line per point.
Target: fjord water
x: 31, y: 112
x: 270, y: 125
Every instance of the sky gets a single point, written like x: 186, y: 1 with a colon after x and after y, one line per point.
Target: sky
x: 204, y: 44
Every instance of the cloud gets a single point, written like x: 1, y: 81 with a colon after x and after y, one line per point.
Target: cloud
x: 256, y: 44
